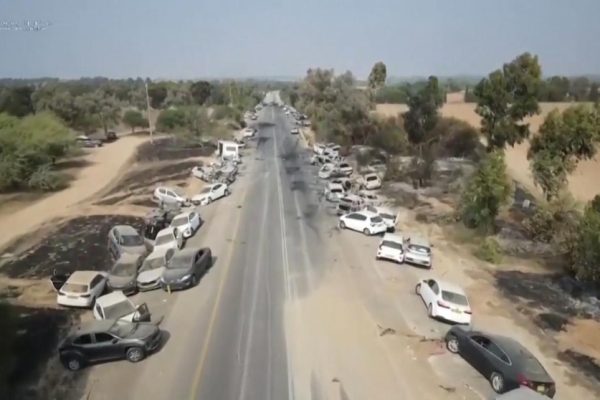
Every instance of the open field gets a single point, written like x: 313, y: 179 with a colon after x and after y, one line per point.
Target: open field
x: 583, y: 183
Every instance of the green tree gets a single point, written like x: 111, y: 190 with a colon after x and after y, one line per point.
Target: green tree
x: 171, y: 120
x: 505, y: 98
x: 200, y: 91
x: 585, y: 255
x: 158, y: 94
x: 134, y: 119
x: 488, y: 189
x: 554, y: 89
x: 579, y: 88
x: 422, y: 114
x: 17, y: 101
x: 377, y: 76
x: 594, y: 95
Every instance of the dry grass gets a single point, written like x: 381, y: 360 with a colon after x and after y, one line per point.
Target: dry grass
x: 583, y: 183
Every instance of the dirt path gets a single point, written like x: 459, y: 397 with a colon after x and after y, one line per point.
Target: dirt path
x: 106, y: 163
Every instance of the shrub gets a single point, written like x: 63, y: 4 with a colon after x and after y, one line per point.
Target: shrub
x: 489, y: 250
x: 393, y: 171
x: 171, y: 120
x: 46, y: 180
x: 390, y: 136
x: 457, y: 138
x: 585, y: 251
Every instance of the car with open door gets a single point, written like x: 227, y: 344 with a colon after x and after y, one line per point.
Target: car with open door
x: 117, y: 306
x: 391, y: 248
x: 506, y: 363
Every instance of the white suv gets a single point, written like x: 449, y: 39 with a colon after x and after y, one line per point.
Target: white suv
x: 370, y: 182
x: 391, y: 248
x: 418, y: 252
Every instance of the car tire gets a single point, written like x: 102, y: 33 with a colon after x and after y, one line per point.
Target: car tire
x: 194, y: 281
x: 430, y: 311
x: 135, y: 354
x: 227, y: 192
x: 452, y: 344
x: 367, y: 232
x: 497, y: 382
x: 418, y: 289
x: 73, y: 363
x: 342, y: 225
x: 208, y: 200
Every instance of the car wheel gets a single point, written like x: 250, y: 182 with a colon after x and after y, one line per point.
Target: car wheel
x: 452, y: 344
x: 497, y: 382
x: 135, y: 354
x: 342, y: 225
x: 418, y: 289
x: 367, y: 232
x: 430, y: 310
x: 227, y: 193
x: 74, y: 363
x: 208, y: 200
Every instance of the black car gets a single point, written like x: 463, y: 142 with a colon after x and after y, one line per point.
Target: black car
x: 109, y: 340
x: 111, y: 136
x: 503, y: 361
x: 185, y: 268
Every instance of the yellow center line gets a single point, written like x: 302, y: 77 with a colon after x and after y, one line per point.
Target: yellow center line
x: 217, y: 305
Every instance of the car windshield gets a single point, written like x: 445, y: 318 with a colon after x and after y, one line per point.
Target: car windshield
x: 152, y: 263
x: 205, y: 190
x: 376, y: 220
x: 163, y: 239
x: 337, y: 190
x: 132, y: 240
x: 386, y: 216
x: 371, y: 178
x: 124, y: 269
x: 455, y: 298
x: 122, y: 329
x: 179, y: 221
x: 391, y: 244
x: 74, y: 288
x: 180, y: 262
x: 419, y: 249
x: 118, y: 310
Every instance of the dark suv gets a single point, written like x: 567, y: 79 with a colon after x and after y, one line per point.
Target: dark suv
x: 108, y: 340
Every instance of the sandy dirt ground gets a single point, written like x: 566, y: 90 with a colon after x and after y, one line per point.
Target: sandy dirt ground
x: 583, y: 183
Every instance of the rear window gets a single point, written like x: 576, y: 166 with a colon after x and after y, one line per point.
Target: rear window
x: 419, y: 249
x: 530, y: 364
x: 336, y: 190
x: 75, y: 288
x: 455, y: 298
x: 391, y: 245
x: 376, y: 220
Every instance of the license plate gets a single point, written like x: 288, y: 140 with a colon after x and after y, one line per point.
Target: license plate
x: 456, y: 310
x: 541, y: 388
x: 72, y: 297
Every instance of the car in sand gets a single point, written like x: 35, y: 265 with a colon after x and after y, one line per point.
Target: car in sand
x: 345, y: 182
x: 117, y: 306
x: 391, y: 248
x: 333, y: 192
x: 506, y: 363
x: 363, y: 221
x: 187, y: 223
x: 211, y: 193
x: 81, y: 288
x: 123, y: 273
x: 388, y: 215
x: 444, y: 301
x: 185, y: 268
x: 152, y: 268
x: 167, y: 195
x: 108, y: 340
x: 344, y: 169
x: 370, y: 181
x: 418, y: 252
x: 125, y: 239
x: 168, y: 238
x: 326, y: 171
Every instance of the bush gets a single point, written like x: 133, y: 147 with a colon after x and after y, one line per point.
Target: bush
x: 489, y: 250
x: 556, y: 223
x: 457, y: 138
x: 46, y: 180
x: 585, y: 251
x: 390, y: 136
x: 393, y: 171
x: 171, y: 120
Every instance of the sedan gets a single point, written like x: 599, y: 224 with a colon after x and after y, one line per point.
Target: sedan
x: 211, y: 193
x: 108, y: 340
x: 123, y: 273
x: 81, y: 289
x: 295, y: 131
x: 345, y: 169
x: 505, y: 362
x: 444, y: 301
x: 152, y: 269
x: 185, y: 268
x: 363, y: 221
x: 187, y: 222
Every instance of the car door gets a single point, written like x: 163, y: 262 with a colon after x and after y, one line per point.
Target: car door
x: 97, y: 285
x: 194, y: 221
x: 107, y: 346
x: 216, y: 191
x: 427, y: 292
x: 476, y: 354
x: 350, y: 221
x: 84, y: 344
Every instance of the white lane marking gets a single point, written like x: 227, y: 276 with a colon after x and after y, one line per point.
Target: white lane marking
x: 286, y: 267
x: 251, y: 318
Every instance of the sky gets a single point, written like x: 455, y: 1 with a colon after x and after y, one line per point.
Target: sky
x: 192, y: 39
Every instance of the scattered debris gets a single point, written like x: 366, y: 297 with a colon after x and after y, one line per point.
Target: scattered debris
x: 385, y: 331
x: 551, y: 321
x: 335, y: 380
x: 448, y: 389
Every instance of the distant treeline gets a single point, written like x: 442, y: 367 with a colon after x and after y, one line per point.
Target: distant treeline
x: 553, y: 89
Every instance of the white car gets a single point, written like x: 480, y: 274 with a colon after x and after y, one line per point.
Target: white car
x: 349, y: 203
x: 211, y: 193
x: 248, y: 132
x: 333, y: 192
x: 391, y: 248
x: 295, y: 131
x: 369, y: 198
x: 344, y: 169
x: 81, y: 289
x: 418, y: 252
x: 168, y: 195
x: 326, y: 170
x: 318, y: 148
x: 152, y: 269
x: 116, y: 306
x: 187, y: 223
x: 363, y: 221
x: 333, y: 151
x: 389, y: 217
x: 445, y: 301
x: 168, y: 238
x: 370, y: 182
x: 345, y: 182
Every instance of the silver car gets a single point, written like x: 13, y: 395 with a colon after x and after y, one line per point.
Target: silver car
x: 123, y: 273
x: 125, y: 239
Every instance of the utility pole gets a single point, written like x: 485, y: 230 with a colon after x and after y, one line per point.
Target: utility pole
x: 148, y: 112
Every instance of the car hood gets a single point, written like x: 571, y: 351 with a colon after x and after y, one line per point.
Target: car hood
x: 135, y: 249
x: 172, y: 275
x: 162, y: 249
x: 421, y: 256
x: 200, y: 196
x: 120, y: 281
x: 143, y: 331
x: 150, y: 276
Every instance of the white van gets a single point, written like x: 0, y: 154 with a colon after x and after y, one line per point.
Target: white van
x: 228, y: 150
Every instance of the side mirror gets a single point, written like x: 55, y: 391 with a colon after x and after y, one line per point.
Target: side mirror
x: 136, y: 316
x: 114, y: 341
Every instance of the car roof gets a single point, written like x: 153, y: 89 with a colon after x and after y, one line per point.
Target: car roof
x: 111, y: 298
x: 419, y: 241
x: 450, y: 287
x: 510, y: 346
x: 94, y: 326
x: 82, y: 277
x: 367, y: 213
x: 332, y: 185
x: 392, y: 237
x: 128, y: 258
x: 126, y: 229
